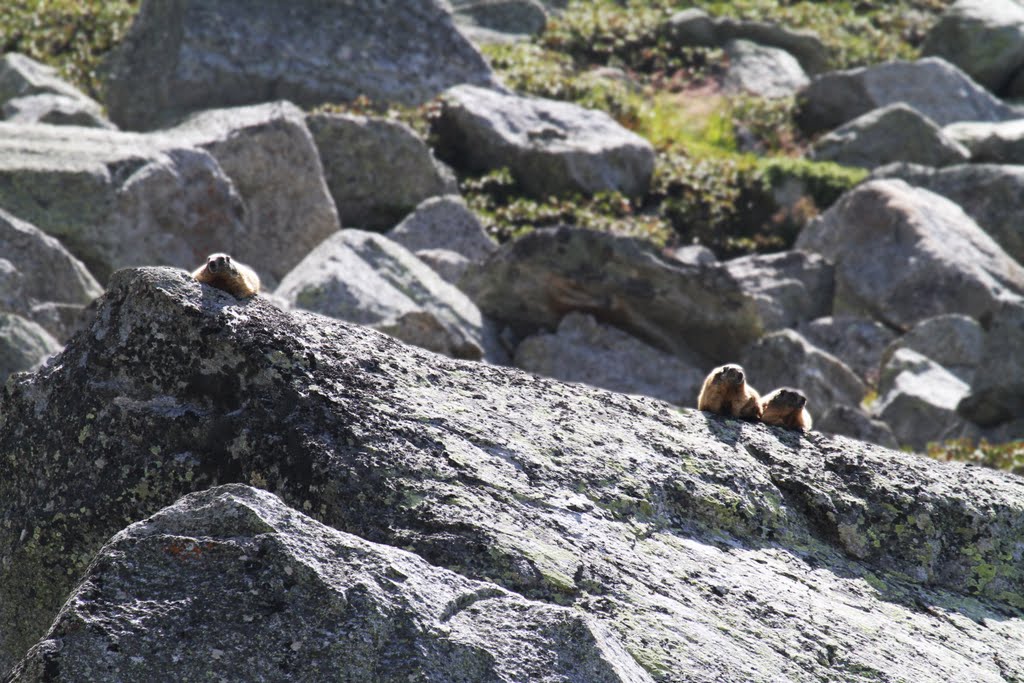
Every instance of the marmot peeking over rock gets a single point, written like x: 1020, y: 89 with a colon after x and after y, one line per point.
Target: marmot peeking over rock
x: 726, y: 392
x: 237, y: 279
x: 785, y: 407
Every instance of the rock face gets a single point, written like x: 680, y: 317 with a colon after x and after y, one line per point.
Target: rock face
x: 995, y: 143
x: 444, y: 223
x: 765, y: 71
x: 932, y: 86
x: 586, y: 351
x: 904, y: 254
x: 225, y: 53
x: 23, y: 344
x: 377, y: 170
x: 997, y: 389
x: 857, y: 342
x: 892, y: 133
x: 953, y: 341
x: 788, y: 287
x: 551, y: 147
x: 683, y: 535
x: 329, y: 605
x: 534, y: 281
x: 985, y: 38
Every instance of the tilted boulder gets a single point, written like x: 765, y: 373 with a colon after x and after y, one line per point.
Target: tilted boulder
x: 683, y: 534
x: 997, y: 388
x: 953, y: 341
x: 329, y: 605
x: 532, y: 282
x: 858, y: 342
x: 586, y: 351
x: 985, y: 38
x: 377, y: 170
x: 233, y: 52
x: 994, y: 143
x: 57, y: 110
x: 903, y: 254
x: 23, y: 344
x: 760, y: 70
x: 444, y: 223
x: 788, y: 287
x: 551, y: 147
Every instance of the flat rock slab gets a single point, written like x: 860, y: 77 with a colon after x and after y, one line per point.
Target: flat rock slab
x: 711, y: 549
x: 226, y: 53
x: 551, y: 147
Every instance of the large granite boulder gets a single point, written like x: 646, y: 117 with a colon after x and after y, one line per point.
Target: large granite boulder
x: 990, y: 142
x: 586, y: 351
x: 953, y: 341
x: 991, y: 194
x: 186, y: 55
x: 23, y: 344
x: 932, y: 86
x: 892, y: 133
x: 551, y: 147
x: 788, y: 287
x: 903, y: 254
x: 856, y: 341
x: 985, y: 38
x: 444, y: 223
x: 377, y: 170
x: 364, y: 277
x: 683, y: 535
x: 997, y: 388
x: 761, y: 70
x: 262, y: 592
x: 532, y: 282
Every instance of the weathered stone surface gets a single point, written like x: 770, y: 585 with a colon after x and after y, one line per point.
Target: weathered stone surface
x: 857, y: 342
x: 991, y: 194
x: 364, y: 277
x: 57, y: 110
x: 329, y: 605
x: 551, y: 147
x: 904, y: 254
x: 21, y: 76
x: 532, y: 282
x: 586, y: 351
x: 691, y: 27
x: 38, y: 270
x: 504, y: 16
x: 23, y: 344
x: 712, y: 549
x: 377, y: 170
x: 855, y: 423
x: 985, y: 38
x: 997, y: 390
x: 760, y: 70
x: 891, y: 133
x: 450, y: 265
x: 785, y: 358
x: 788, y: 287
x: 269, y: 154
x: 918, y: 399
x: 233, y: 52
x: 996, y: 143
x: 694, y: 255
x: 444, y: 223
x: 932, y: 86
x: 953, y: 341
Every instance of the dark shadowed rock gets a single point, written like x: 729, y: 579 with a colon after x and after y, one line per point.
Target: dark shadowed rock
x: 853, y: 422
x: 444, y: 223
x: 788, y: 287
x: 551, y: 147
x: 23, y: 344
x: 57, y: 110
x: 181, y: 56
x: 711, y: 549
x: 377, y: 170
x: 231, y: 583
x: 904, y: 254
x: 761, y: 70
x: 993, y: 143
x: 997, y: 389
x: 953, y: 341
x: 503, y: 16
x: 857, y: 342
x: 985, y: 38
x: 533, y: 282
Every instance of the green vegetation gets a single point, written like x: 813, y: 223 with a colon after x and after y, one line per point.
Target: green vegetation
x: 1007, y: 456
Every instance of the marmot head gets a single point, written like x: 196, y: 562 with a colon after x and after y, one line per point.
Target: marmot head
x: 220, y: 264
x: 787, y: 397
x: 729, y: 374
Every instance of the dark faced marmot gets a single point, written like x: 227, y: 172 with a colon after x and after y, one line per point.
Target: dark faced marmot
x: 726, y: 392
x: 785, y: 407
x: 237, y: 279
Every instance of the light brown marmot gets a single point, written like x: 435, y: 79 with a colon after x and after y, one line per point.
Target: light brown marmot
x: 726, y: 392
x: 785, y: 407
x: 237, y: 279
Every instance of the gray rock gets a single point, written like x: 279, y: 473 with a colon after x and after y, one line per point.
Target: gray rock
x: 953, y: 341
x: 550, y: 147
x: 857, y: 342
x: 691, y: 27
x: 532, y: 282
x: 785, y: 358
x: 21, y: 76
x: 711, y: 549
x: 269, y: 154
x: 789, y: 287
x: 504, y: 16
x: 450, y: 265
x: 932, y: 86
x: 985, y: 38
x: 329, y: 605
x: 694, y: 255
x: 891, y: 133
x: 760, y: 70
x: 918, y: 399
x: 803, y: 44
x: 588, y: 352
x: 23, y: 344
x: 997, y: 390
x: 993, y: 195
x: 61, y: 320
x: 232, y: 52
x: 377, y: 170
x: 853, y: 422
x: 995, y: 143
x: 364, y: 277
x: 444, y: 223
x: 57, y: 110
x: 904, y: 254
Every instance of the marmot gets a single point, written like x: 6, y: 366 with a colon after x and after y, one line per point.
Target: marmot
x: 785, y: 408
x: 238, y: 280
x: 726, y: 392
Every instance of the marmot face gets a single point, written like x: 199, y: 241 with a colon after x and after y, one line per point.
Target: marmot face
x: 726, y: 392
x: 221, y: 265
x: 786, y: 407
x: 235, y: 278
